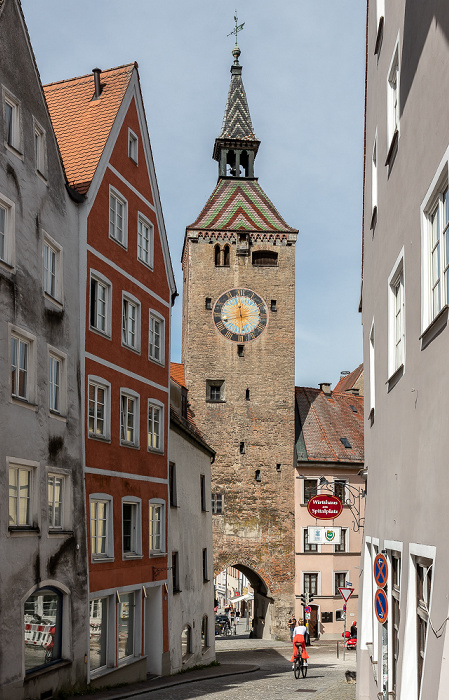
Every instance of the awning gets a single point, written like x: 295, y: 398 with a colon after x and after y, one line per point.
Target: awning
x: 247, y: 596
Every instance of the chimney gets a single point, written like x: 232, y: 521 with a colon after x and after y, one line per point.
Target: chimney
x: 326, y: 388
x: 97, y: 83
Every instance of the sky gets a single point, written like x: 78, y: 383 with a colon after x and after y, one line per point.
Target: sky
x: 303, y: 71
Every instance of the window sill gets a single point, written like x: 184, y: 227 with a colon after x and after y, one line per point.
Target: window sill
x: 42, y: 177
x: 101, y: 560
x: 148, y: 265
x: 123, y: 245
x: 23, y: 402
x: 23, y: 530
x: 393, y: 149
x: 57, y: 416
x: 6, y: 266
x: 15, y: 151
x: 215, y: 401
x: 101, y: 438
x: 155, y: 553
x: 155, y: 452
x: 161, y: 363
x: 61, y: 533
x: 102, y: 334
x: 54, y: 303
x: 55, y: 666
x: 132, y: 445
x: 176, y: 590
x: 395, y: 377
x: 132, y: 555
x: 136, y: 351
x: 435, y: 327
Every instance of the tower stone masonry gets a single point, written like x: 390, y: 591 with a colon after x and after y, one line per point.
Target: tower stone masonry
x: 238, y: 347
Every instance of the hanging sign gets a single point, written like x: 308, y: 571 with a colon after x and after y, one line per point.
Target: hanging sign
x: 324, y: 507
x: 380, y: 570
x: 324, y: 535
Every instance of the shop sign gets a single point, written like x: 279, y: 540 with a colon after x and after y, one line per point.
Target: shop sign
x: 325, y: 507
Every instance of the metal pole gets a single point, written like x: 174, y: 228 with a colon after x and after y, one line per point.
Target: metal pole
x: 344, y: 639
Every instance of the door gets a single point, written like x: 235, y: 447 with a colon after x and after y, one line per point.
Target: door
x: 313, y: 622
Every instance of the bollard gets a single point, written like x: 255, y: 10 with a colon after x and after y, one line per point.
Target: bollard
x: 338, y: 650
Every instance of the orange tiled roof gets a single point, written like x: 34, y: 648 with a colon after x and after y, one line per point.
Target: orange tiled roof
x: 177, y: 373
x: 82, y: 125
x: 323, y: 421
x: 347, y: 382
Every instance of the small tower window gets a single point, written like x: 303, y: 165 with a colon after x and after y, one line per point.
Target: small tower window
x: 265, y: 258
x: 278, y: 467
x: 242, y: 448
x: 208, y: 304
x: 247, y: 395
x: 241, y: 350
x: 257, y: 475
x: 273, y: 305
x: 226, y: 256
x: 217, y: 255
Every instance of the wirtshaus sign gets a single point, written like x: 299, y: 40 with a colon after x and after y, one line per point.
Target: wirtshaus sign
x: 325, y: 507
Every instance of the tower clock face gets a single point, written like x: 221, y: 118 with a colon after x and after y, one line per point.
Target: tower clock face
x: 240, y: 315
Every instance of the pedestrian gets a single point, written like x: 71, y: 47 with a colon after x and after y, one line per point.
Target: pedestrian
x: 292, y: 624
x: 354, y: 630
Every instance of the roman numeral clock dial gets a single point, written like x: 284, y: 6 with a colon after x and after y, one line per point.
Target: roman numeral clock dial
x: 240, y: 315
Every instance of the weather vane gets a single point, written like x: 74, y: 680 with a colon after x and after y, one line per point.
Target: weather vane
x: 238, y: 27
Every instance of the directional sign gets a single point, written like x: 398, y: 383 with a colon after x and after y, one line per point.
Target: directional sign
x: 346, y: 593
x: 381, y: 605
x: 308, y: 609
x: 380, y: 570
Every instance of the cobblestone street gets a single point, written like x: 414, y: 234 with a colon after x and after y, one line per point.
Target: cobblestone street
x: 274, y: 679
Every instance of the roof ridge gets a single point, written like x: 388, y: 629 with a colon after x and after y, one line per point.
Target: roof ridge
x: 134, y: 64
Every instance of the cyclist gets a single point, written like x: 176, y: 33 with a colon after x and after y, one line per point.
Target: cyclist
x: 299, y: 647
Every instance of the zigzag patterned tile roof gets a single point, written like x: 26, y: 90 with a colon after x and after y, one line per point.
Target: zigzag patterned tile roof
x: 237, y: 120
x: 240, y: 205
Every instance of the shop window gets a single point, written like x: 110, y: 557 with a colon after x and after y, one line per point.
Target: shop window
x: 98, y: 633
x: 126, y: 625
x: 186, y: 642
x: 42, y: 628
x: 204, y: 633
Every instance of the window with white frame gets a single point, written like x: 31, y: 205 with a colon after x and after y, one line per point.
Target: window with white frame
x: 308, y: 546
x: 21, y: 494
x: 23, y: 364
x: 310, y: 583
x: 155, y: 426
x: 156, y: 527
x: 98, y: 409
x: 101, y: 534
x: 156, y: 343
x: 436, y: 253
x: 99, y: 609
x: 57, y: 385
x: 130, y: 322
x: 423, y: 592
x: 131, y: 527
x: 126, y: 625
x: 372, y: 377
x: 52, y: 268
x: 340, y: 578
x: 40, y: 150
x: 396, y: 320
x: 145, y: 240
x: 395, y: 617
x: 12, y: 121
x: 217, y: 503
x: 343, y: 546
x: 129, y: 418
x: 393, y: 100
x: 133, y: 144
x: 100, y: 304
x: 374, y: 184
x: 7, y: 224
x: 117, y: 217
x: 55, y: 493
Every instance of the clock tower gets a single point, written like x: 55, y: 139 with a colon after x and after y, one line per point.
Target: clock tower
x: 238, y: 349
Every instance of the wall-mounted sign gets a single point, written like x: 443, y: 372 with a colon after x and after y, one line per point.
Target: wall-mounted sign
x: 324, y: 507
x: 324, y: 535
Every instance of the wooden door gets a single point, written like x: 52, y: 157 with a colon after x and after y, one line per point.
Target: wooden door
x: 313, y: 622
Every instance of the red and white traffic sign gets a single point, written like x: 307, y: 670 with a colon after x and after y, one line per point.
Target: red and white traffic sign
x: 308, y: 609
x: 346, y: 593
x: 380, y: 570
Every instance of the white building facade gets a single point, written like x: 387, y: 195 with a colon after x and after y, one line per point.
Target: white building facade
x: 403, y: 613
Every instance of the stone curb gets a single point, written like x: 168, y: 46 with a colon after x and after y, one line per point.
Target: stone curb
x: 162, y: 682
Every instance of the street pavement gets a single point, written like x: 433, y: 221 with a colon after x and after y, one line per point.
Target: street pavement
x: 252, y: 669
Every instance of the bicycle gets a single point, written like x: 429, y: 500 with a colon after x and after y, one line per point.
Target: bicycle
x: 299, y: 666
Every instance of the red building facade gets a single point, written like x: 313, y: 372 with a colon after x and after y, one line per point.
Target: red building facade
x: 129, y: 286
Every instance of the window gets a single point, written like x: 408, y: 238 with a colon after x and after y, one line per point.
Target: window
x: 340, y: 489
x: 396, y: 318
x: 217, y: 503
x: 52, y: 253
x: 133, y: 143
x: 265, y: 258
x: 175, y: 572
x: 380, y: 11
x: 215, y: 390
x: 208, y: 304
x: 172, y: 484
x: 98, y: 410
x: 217, y: 255
x: 374, y: 185
x: 7, y: 224
x: 129, y: 419
x: 101, y: 537
x: 126, y: 615
x: 342, y: 547
x: 205, y: 571
x: 131, y: 527
x: 56, y: 382
x: 339, y: 581
x: 55, y: 485
x: 242, y: 448
x: 117, y: 217
x: 100, y: 303
x: 155, y: 427
x: 156, y: 344
x: 40, y: 149
x: 308, y: 547
x: 327, y: 617
x: 339, y: 615
x: 395, y: 600
x: 157, y: 527
x: 20, y: 358
x: 273, y: 306
x: 423, y: 591
x: 247, y: 395
x: 226, y: 256
x: 311, y: 583
x: 204, y: 633
x: 42, y: 628
x: 393, y: 103
x: 437, y: 254
x: 241, y: 350
x: 186, y: 641
x: 20, y: 492
x: 12, y: 121
x: 372, y: 383
x: 145, y: 241
x: 310, y: 489
x: 98, y: 633
x: 130, y: 322
x: 203, y: 491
